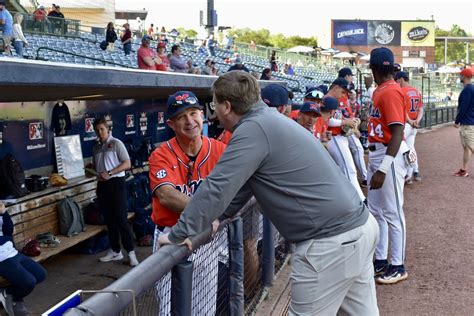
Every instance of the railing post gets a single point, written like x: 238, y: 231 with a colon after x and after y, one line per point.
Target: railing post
x: 181, y: 288
x: 268, y: 257
x: 236, y: 267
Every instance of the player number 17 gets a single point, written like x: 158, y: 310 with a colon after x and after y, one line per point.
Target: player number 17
x: 377, y: 130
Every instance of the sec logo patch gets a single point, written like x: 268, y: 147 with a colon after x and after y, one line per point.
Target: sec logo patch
x: 161, y: 174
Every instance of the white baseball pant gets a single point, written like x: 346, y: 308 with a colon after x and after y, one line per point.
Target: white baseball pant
x: 204, y: 282
x: 386, y: 204
x: 338, y: 148
x: 410, y: 134
x: 358, y: 155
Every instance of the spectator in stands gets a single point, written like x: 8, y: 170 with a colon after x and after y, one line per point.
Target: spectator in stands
x: 273, y: 62
x: 266, y: 74
x: 150, y: 31
x: 110, y: 36
x: 21, y: 271
x: 6, y: 25
x: 252, y: 45
x: 238, y: 65
x: 39, y: 18
x: 207, y: 68
x: 127, y: 39
x: 465, y: 120
x: 303, y: 195
x: 162, y: 63
x: 163, y: 37
x: 288, y: 69
x: 229, y: 42
x: 19, y: 39
x: 203, y: 49
x: 178, y: 64
x: 211, y: 45
x: 56, y: 19
x: 448, y: 97
x: 110, y: 160
x: 146, y: 57
x: 173, y: 188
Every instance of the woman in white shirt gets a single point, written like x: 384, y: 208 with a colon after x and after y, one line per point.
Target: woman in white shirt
x: 19, y: 41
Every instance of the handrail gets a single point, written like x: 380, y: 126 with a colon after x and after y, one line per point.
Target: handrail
x: 78, y: 55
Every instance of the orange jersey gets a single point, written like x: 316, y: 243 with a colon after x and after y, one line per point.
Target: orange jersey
x: 225, y: 137
x: 294, y: 114
x: 169, y: 165
x: 414, y: 102
x: 344, y: 111
x: 388, y: 108
x: 320, y: 127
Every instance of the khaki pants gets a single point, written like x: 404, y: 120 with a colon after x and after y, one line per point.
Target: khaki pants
x: 335, y: 275
x: 467, y: 136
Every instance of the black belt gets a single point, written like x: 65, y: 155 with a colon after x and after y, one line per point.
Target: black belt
x: 373, y: 147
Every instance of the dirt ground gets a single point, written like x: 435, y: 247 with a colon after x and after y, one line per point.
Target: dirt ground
x: 440, y: 244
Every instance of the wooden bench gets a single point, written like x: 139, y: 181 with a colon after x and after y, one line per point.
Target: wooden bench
x: 37, y: 213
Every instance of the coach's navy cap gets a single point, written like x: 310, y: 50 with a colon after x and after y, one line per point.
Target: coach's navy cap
x: 329, y: 103
x: 310, y: 107
x: 343, y: 83
x: 402, y: 74
x: 146, y: 38
x: 313, y: 93
x: 381, y: 56
x: 181, y: 101
x: 275, y: 95
x: 345, y: 72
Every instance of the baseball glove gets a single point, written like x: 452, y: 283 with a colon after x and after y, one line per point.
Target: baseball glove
x: 57, y: 180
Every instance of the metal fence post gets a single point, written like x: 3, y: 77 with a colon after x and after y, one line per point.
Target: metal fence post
x: 268, y: 256
x: 181, y: 288
x: 236, y: 267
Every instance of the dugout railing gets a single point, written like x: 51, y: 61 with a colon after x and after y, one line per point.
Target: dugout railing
x: 249, y: 254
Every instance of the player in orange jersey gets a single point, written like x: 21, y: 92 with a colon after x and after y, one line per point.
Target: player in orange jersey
x: 177, y: 168
x: 387, y: 168
x: 414, y: 109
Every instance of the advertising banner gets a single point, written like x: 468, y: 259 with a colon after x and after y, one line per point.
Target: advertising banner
x: 349, y: 33
x: 383, y: 33
x: 418, y: 33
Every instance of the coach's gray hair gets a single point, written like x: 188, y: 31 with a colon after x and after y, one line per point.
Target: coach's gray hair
x: 239, y: 88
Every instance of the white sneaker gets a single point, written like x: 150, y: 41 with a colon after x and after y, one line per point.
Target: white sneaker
x: 112, y: 256
x: 7, y: 301
x: 133, y: 258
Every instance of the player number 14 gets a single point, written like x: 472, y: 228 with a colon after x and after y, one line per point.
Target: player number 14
x: 377, y: 130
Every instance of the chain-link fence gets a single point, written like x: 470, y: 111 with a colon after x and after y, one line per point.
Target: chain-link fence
x: 226, y: 275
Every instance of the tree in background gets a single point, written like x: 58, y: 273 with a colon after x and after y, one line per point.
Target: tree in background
x: 183, y: 33
x: 264, y: 38
x: 456, y: 50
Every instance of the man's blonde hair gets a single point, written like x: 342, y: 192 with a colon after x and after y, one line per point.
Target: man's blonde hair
x: 239, y: 88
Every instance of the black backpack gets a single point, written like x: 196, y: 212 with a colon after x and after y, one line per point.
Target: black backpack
x: 12, y: 177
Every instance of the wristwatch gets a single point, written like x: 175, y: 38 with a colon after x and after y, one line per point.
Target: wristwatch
x: 109, y: 173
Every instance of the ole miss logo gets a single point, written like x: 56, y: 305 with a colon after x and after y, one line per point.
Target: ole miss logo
x: 375, y: 113
x: 190, y: 188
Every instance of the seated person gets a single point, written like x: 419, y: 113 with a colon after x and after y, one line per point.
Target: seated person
x: 21, y: 271
x: 178, y: 64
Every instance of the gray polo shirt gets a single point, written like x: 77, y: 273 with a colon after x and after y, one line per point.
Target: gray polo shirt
x: 297, y: 184
x: 107, y: 156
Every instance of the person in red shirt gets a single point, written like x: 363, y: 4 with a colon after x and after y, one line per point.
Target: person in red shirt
x: 387, y: 168
x: 146, y: 57
x: 414, y: 114
x: 177, y: 168
x: 127, y: 39
x: 164, y: 64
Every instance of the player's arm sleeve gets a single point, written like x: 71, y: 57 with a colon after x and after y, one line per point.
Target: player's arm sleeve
x: 245, y: 153
x: 334, y: 122
x: 464, y: 103
x: 393, y: 107
x: 161, y: 171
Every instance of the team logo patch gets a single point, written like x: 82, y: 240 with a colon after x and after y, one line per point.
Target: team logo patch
x: 161, y: 174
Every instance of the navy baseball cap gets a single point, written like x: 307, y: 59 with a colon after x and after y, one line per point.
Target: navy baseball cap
x: 146, y: 38
x: 275, y: 95
x: 402, y: 74
x: 310, y: 107
x: 345, y: 72
x: 323, y: 88
x: 343, y: 83
x: 329, y: 103
x: 381, y: 56
x: 313, y: 93
x: 179, y: 102
x: 397, y: 67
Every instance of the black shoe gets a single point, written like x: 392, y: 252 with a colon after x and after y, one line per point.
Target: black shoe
x: 394, y: 274
x: 380, y: 267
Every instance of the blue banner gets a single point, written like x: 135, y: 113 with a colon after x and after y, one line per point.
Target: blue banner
x: 349, y: 33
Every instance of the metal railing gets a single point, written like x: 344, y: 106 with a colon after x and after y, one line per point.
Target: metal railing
x: 437, y: 114
x: 251, y: 256
x: 105, y: 62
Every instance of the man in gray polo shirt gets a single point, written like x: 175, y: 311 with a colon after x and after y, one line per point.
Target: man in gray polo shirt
x: 110, y: 160
x: 301, y: 190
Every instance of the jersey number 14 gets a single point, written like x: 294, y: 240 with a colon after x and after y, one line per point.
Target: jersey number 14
x: 377, y: 130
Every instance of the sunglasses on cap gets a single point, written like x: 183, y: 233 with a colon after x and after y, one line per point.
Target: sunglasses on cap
x: 315, y: 94
x: 184, y: 100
